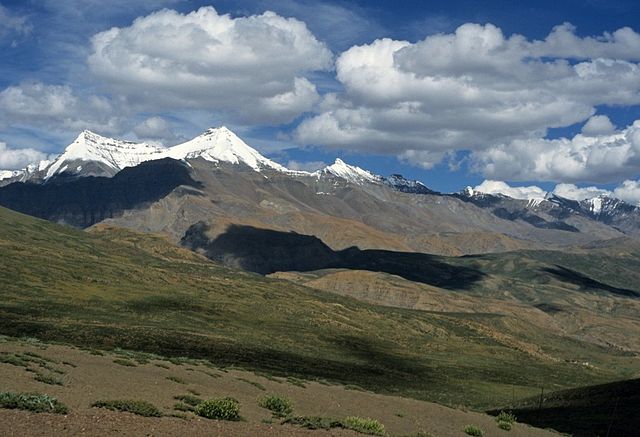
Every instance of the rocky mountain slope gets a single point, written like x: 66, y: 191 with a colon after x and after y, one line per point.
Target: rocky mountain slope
x: 343, y: 205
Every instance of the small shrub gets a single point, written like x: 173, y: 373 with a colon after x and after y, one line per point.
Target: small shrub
x: 507, y: 417
x: 47, y: 379
x: 180, y: 406
x: 36, y: 402
x: 124, y: 362
x: 473, y: 431
x: 140, y: 408
x: 219, y: 408
x: 364, y: 425
x: 162, y: 365
x: 296, y: 381
x: 353, y: 387
x: 188, y: 399
x: 14, y: 360
x: 176, y: 379
x: 193, y: 392
x: 313, y: 422
x: 280, y: 406
x: 505, y: 425
x: 253, y: 383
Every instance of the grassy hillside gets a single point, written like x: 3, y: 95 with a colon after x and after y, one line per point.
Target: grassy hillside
x: 114, y: 288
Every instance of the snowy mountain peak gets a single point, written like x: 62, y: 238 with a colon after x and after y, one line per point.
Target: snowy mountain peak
x: 108, y: 155
x: 112, y: 153
x: 351, y: 173
x: 222, y: 145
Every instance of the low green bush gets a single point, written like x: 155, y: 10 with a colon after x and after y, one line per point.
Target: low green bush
x: 140, y: 408
x: 313, y: 422
x: 124, y: 362
x: 280, y: 406
x: 189, y: 399
x: 219, y: 409
x: 505, y: 420
x: 358, y: 424
x: 36, y: 402
x: 47, y: 379
x: 364, y: 425
x: 473, y: 430
x: 505, y: 425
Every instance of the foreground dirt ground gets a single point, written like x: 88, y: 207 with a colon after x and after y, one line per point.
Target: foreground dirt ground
x: 89, y: 376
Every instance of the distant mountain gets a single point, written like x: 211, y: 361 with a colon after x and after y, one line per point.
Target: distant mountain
x: 94, y: 155
x: 229, y: 182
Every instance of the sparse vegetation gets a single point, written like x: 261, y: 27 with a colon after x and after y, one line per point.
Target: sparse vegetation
x: 161, y: 365
x: 253, y: 383
x: 473, y: 430
x: 188, y: 399
x: 124, y: 362
x: 364, y: 425
x: 219, y: 409
x: 47, y: 379
x: 358, y: 424
x: 386, y: 350
x: 181, y: 406
x: 36, y: 402
x: 505, y: 420
x: 314, y: 422
x: 176, y: 379
x: 141, y: 408
x: 296, y: 381
x: 280, y: 406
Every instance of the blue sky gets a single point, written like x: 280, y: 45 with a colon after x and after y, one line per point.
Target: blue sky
x: 447, y: 92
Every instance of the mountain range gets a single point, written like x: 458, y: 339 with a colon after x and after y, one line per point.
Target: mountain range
x: 218, y: 179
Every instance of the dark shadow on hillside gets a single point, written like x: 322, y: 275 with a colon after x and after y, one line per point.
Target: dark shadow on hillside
x: 85, y: 201
x: 586, y: 283
x: 608, y: 409
x: 267, y: 251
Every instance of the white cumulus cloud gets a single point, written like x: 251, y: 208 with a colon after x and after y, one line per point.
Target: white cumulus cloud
x: 14, y: 159
x: 253, y: 68
x: 573, y: 192
x: 472, y: 90
x: 596, y: 158
x: 629, y: 191
x: 598, y: 125
x: 500, y: 187
x: 57, y: 107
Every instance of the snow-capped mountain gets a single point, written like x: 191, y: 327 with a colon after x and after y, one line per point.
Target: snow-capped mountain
x: 350, y: 173
x: 94, y: 155
x: 221, y: 145
x: 400, y: 183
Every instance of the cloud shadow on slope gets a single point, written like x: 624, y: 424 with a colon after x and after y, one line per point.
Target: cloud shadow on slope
x: 266, y: 251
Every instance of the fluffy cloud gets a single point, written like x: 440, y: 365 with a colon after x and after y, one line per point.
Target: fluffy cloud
x: 598, y: 125
x: 595, y: 158
x: 573, y: 192
x: 629, y: 191
x: 13, y: 159
x: 57, y: 107
x: 251, y: 67
x: 471, y: 90
x: 499, y: 187
x: 156, y: 129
